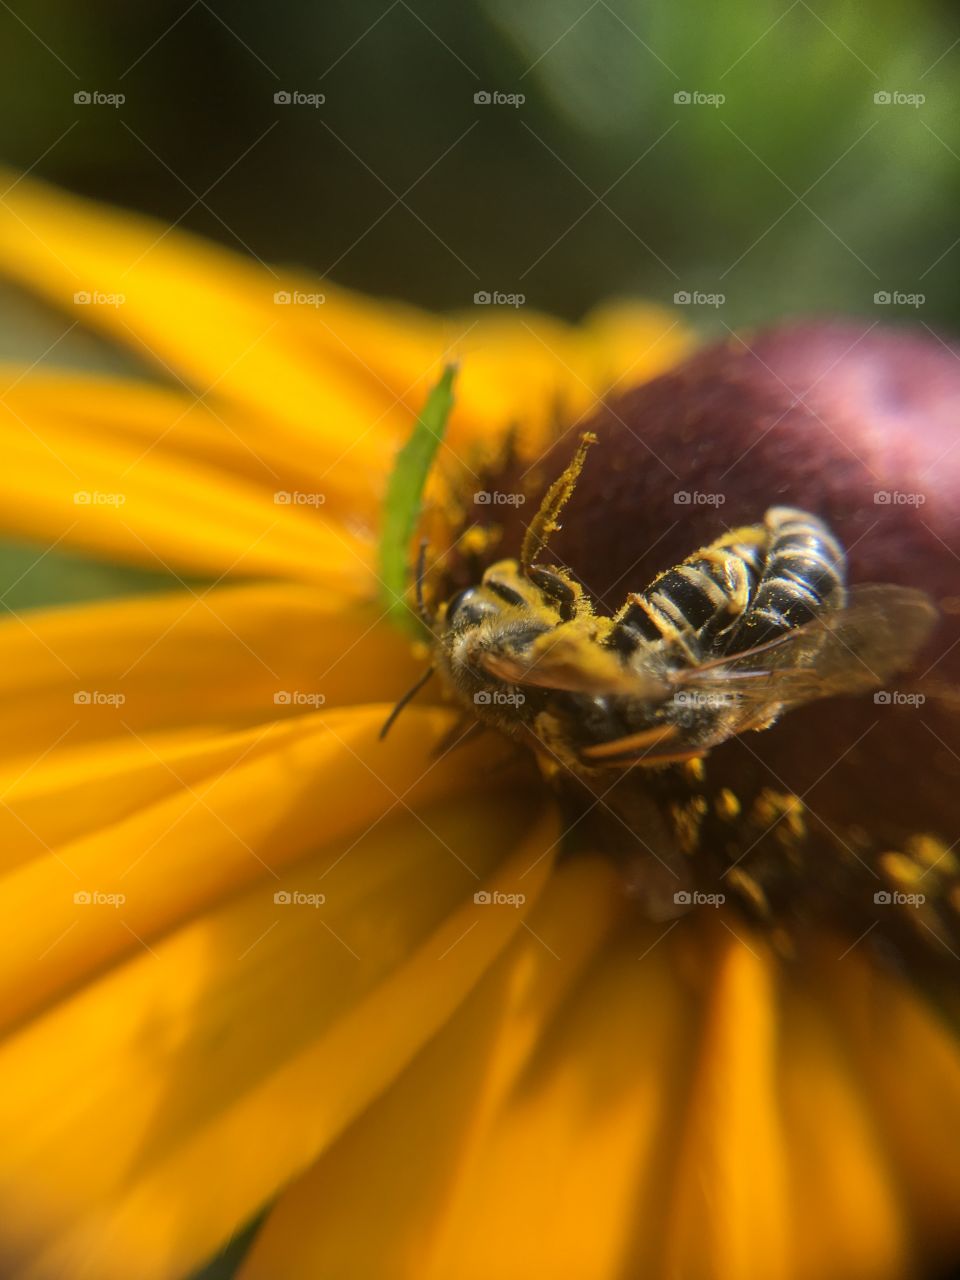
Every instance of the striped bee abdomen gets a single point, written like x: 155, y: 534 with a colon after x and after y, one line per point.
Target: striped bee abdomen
x: 803, y: 577
x: 692, y: 604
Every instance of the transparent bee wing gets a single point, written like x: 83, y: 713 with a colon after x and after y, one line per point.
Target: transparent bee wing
x: 851, y: 650
x: 572, y: 664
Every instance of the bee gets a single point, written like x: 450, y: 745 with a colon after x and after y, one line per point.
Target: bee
x: 755, y: 624
x: 622, y: 709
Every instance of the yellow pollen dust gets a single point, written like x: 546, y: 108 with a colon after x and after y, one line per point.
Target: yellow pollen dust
x: 783, y: 808
x: 749, y: 889
x: 727, y: 805
x: 931, y: 852
x: 902, y: 870
x: 478, y: 540
x: 686, y: 822
x: 695, y: 769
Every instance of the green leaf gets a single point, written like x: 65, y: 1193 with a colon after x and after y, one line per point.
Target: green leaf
x: 404, y: 494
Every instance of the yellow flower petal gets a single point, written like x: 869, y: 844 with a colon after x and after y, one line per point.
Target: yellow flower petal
x: 109, y: 496
x: 537, y: 375
x: 345, y: 377
x: 333, y: 463
x: 248, y: 805
x: 850, y: 1218
x: 727, y: 1221
x: 188, y: 662
x: 206, y: 1073
x: 906, y: 1059
x: 296, y: 400
x: 198, y: 311
x: 530, y: 1138
x: 629, y: 1106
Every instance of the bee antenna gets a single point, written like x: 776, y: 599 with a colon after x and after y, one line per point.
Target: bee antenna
x: 546, y: 522
x: 407, y: 697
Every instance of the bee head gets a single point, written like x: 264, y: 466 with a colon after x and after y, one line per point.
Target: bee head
x: 486, y: 634
x: 506, y: 592
x: 501, y: 618
x: 527, y: 628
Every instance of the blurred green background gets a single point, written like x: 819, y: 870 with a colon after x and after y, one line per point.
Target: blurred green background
x: 800, y: 192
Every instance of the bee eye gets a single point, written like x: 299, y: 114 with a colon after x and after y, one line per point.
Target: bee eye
x: 466, y: 609
x: 454, y: 604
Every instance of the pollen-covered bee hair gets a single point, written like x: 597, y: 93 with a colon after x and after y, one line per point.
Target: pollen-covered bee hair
x: 758, y: 622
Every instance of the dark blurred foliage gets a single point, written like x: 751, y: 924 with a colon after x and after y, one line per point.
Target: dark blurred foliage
x: 799, y: 193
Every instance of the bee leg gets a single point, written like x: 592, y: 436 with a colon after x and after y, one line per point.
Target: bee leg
x: 627, y: 750
x: 678, y: 757
x: 651, y: 760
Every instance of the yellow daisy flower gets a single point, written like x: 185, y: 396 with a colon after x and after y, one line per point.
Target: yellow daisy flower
x: 245, y: 974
